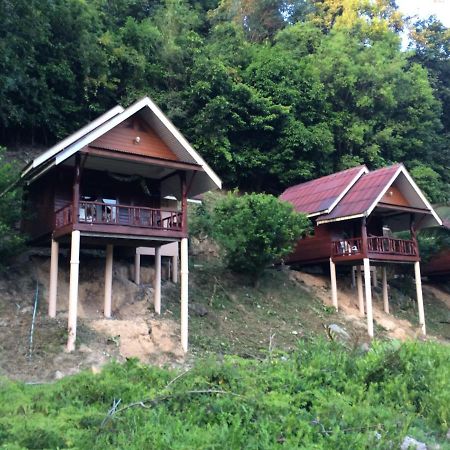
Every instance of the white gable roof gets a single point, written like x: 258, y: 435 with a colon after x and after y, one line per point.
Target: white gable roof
x: 62, y: 151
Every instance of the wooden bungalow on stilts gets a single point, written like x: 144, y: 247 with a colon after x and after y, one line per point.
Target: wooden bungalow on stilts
x: 354, y: 213
x: 107, y: 186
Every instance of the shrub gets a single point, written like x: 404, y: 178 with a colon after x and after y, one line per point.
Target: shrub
x: 10, y: 208
x: 255, y: 230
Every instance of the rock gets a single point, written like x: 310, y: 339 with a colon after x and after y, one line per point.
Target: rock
x: 58, y: 375
x: 84, y: 349
x: 198, y: 310
x: 26, y: 310
x: 338, y: 332
x: 409, y: 443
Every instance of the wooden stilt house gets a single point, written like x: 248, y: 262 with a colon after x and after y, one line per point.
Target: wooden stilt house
x: 356, y: 214
x: 108, y: 185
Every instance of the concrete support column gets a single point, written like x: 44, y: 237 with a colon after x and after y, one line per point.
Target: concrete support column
x: 334, y: 297
x: 137, y: 268
x: 108, y: 281
x: 184, y: 294
x: 73, y: 290
x: 385, y: 291
x: 368, y: 296
x: 420, y: 297
x: 157, y: 287
x: 53, y: 286
x: 359, y: 285
x: 374, y: 277
x: 175, y: 269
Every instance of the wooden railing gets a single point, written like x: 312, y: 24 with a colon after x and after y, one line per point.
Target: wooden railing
x: 387, y: 245
x: 375, y: 244
x: 63, y: 216
x: 345, y: 247
x: 122, y: 215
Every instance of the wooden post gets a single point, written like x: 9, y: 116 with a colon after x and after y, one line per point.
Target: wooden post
x: 184, y: 202
x: 76, y: 190
x: 108, y: 281
x: 353, y: 277
x: 368, y: 296
x: 175, y: 269
x: 137, y: 268
x: 364, y: 249
x: 359, y: 284
x: 184, y: 294
x: 420, y: 297
x: 157, y: 287
x: 334, y: 297
x: 385, y: 291
x: 73, y: 290
x: 53, y: 286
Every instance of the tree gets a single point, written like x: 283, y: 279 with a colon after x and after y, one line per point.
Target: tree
x: 10, y: 208
x: 255, y: 230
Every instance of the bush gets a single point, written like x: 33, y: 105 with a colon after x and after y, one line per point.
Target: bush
x: 320, y: 396
x: 10, y: 208
x: 255, y: 230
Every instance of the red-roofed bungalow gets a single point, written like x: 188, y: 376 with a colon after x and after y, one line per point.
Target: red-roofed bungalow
x: 355, y: 213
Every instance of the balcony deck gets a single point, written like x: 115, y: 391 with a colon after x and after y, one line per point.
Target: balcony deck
x: 378, y: 248
x: 98, y: 218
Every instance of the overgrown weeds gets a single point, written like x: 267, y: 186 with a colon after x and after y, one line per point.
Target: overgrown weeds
x: 319, y: 396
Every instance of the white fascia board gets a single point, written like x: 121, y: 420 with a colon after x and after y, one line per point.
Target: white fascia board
x: 184, y: 143
x: 363, y: 171
x: 383, y: 191
x: 339, y: 219
x: 420, y: 194
x: 315, y: 214
x: 73, y: 138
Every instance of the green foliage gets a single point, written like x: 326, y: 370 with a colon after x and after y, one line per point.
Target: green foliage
x: 255, y: 230
x: 10, y: 208
x: 270, y: 92
x: 320, y: 396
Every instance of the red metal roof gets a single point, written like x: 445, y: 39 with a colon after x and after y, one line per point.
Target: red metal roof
x: 362, y: 194
x: 318, y: 195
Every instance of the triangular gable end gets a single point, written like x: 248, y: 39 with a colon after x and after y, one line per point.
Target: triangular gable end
x: 135, y: 136
x: 409, y: 190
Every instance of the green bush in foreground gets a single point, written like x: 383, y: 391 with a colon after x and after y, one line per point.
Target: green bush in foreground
x: 319, y: 397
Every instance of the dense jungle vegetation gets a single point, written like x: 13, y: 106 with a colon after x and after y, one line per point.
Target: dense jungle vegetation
x: 271, y: 92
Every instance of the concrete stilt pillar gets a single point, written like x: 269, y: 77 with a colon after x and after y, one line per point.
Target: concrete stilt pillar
x: 368, y: 296
x: 157, y: 287
x: 353, y: 277
x: 137, y: 268
x: 175, y: 269
x: 385, y: 291
x: 53, y: 286
x: 420, y: 297
x: 108, y: 281
x: 184, y: 294
x: 73, y: 290
x: 359, y: 285
x: 334, y: 297
x: 374, y: 277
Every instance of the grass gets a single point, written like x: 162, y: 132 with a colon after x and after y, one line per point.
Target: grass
x: 246, y: 320
x: 318, y: 396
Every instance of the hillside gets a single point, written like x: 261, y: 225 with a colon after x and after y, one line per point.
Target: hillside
x: 227, y: 316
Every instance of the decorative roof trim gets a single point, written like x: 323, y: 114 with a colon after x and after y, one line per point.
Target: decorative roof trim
x: 339, y: 219
x: 71, y: 139
x: 416, y: 188
x: 363, y: 171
